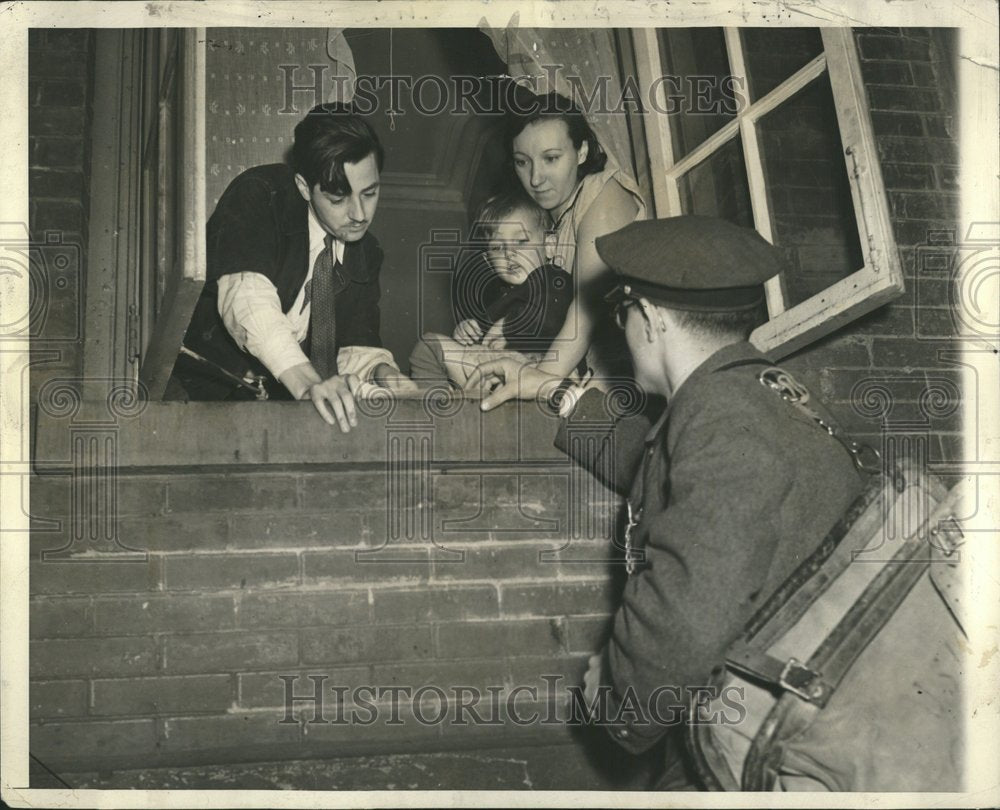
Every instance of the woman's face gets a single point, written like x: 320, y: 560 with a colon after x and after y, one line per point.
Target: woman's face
x: 546, y: 161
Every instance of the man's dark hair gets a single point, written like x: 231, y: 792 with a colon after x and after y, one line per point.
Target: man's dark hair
x: 328, y: 137
x: 735, y: 325
x: 524, y: 107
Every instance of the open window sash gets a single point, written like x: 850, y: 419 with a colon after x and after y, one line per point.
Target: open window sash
x: 172, y: 256
x: 880, y: 278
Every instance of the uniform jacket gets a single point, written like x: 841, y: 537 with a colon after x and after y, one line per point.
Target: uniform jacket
x: 261, y: 225
x: 736, y: 488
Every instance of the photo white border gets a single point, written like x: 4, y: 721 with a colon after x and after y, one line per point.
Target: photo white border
x: 978, y: 83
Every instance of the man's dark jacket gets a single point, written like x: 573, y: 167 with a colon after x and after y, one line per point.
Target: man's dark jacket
x: 736, y: 487
x: 261, y: 225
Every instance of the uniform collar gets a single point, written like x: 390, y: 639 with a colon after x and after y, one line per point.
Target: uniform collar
x: 317, y: 234
x: 735, y: 354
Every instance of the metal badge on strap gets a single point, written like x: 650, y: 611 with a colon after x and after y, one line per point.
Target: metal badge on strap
x: 866, y: 458
x: 632, y: 557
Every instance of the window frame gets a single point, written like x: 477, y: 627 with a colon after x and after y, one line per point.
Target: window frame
x: 880, y: 279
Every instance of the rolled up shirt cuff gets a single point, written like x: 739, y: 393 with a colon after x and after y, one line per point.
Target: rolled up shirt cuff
x: 280, y: 355
x: 363, y: 360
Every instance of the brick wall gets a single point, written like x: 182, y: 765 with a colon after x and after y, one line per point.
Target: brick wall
x: 886, y: 373
x: 254, y: 575
x: 60, y: 79
x: 248, y: 575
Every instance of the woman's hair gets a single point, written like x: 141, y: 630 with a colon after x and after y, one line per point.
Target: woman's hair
x: 524, y: 107
x: 328, y: 137
x: 501, y: 206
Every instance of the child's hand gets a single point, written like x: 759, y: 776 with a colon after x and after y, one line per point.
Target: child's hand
x: 468, y: 332
x: 494, y: 338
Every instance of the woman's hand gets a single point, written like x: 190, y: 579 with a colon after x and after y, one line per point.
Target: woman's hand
x: 468, y: 332
x: 509, y: 380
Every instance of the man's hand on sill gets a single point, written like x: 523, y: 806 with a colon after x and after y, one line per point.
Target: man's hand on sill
x: 333, y: 398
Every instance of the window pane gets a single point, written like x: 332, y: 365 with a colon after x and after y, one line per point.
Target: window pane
x: 808, y: 191
x: 717, y: 187
x: 771, y: 55
x: 698, y: 84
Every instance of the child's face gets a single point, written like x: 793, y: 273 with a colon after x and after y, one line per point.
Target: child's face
x: 516, y: 246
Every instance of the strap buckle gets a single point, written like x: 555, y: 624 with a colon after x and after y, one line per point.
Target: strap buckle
x: 806, y: 683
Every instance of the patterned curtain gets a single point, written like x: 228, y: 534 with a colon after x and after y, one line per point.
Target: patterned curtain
x: 588, y: 61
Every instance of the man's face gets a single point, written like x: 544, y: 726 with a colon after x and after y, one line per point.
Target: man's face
x: 346, y: 217
x: 645, y: 358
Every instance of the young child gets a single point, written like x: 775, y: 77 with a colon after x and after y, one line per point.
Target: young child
x: 528, y: 305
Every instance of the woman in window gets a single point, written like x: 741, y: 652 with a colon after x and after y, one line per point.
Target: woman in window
x: 559, y: 162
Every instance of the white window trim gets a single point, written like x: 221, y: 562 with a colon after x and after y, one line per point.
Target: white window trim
x: 881, y: 278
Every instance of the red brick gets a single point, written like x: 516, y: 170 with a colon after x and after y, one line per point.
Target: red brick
x: 886, y: 73
x: 304, y: 609
x: 391, y: 564
x: 231, y: 493
x: 55, y: 121
x: 55, y: 184
x: 908, y: 176
x: 379, y: 734
x: 163, y: 695
x: 445, y: 674
x: 426, y: 605
x: 235, y: 731
x: 51, y: 699
x: 497, y: 562
x: 904, y: 149
x: 144, y: 615
x: 847, y: 385
x: 949, y: 448
x: 56, y: 742
x: 56, y: 152
x: 915, y: 232
x: 365, y: 643
x: 924, y: 205
x: 206, y: 572
x: 173, y: 533
x: 52, y: 496
x: 949, y: 178
x: 907, y: 47
x: 888, y: 320
x: 65, y: 40
x: 587, y: 634
x: 497, y: 639
x: 64, y: 93
x: 558, y: 599
x: 530, y: 672
x: 67, y: 658
x: 52, y: 215
x: 266, y: 689
x: 43, y: 65
x: 232, y: 651
x: 904, y: 354
x: 589, y: 558
x: 52, y: 618
x: 344, y: 491
x: 296, y: 530
x: 88, y: 575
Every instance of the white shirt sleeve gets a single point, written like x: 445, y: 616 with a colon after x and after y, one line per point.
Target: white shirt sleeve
x: 362, y: 360
x: 251, y: 311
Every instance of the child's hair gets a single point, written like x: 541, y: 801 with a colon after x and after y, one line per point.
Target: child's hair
x: 500, y: 207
